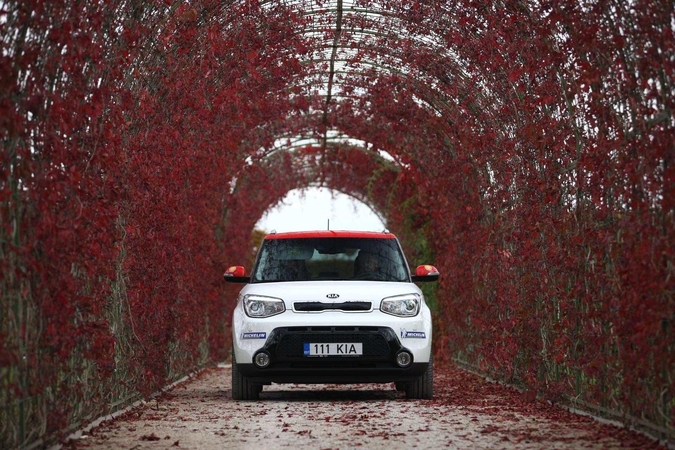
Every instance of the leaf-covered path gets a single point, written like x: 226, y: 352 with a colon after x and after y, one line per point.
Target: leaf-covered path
x: 467, y: 412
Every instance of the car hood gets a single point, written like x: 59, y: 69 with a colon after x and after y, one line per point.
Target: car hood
x: 331, y: 291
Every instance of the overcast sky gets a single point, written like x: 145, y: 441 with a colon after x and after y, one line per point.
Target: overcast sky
x: 313, y: 208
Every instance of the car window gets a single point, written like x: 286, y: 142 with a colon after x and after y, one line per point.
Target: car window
x: 330, y: 259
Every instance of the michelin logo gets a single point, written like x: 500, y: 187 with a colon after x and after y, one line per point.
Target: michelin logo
x: 255, y: 335
x: 413, y: 334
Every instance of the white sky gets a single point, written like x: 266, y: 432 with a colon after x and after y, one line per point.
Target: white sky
x: 312, y: 208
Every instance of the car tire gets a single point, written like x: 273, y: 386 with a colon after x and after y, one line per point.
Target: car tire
x: 400, y: 386
x: 423, y: 387
x: 242, y: 389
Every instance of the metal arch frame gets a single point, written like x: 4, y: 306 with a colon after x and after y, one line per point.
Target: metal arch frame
x: 430, y: 96
x: 379, y: 23
x: 317, y: 178
x: 339, y: 140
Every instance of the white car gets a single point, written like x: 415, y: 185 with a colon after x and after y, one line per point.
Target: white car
x: 331, y: 307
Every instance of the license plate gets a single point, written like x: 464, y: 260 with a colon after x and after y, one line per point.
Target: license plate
x: 333, y: 349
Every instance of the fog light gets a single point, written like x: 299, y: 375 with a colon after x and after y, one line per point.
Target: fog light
x: 403, y: 359
x: 261, y: 360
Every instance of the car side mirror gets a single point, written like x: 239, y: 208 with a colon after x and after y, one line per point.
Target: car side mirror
x: 236, y: 274
x: 425, y: 273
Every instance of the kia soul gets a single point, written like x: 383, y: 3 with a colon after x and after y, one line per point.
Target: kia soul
x: 331, y: 307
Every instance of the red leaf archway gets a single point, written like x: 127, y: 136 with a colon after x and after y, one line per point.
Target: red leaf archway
x: 527, y: 147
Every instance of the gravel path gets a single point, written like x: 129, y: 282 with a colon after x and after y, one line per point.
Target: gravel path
x: 467, y: 412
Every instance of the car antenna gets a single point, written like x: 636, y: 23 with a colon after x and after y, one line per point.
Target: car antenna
x: 328, y: 225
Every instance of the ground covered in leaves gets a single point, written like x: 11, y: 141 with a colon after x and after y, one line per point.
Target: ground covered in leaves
x: 467, y: 412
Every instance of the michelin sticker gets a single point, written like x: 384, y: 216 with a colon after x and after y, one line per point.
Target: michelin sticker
x: 254, y: 335
x: 413, y: 334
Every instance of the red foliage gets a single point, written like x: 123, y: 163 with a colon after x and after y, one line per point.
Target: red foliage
x: 529, y: 149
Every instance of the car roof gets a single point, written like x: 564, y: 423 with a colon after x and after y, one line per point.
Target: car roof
x: 331, y: 234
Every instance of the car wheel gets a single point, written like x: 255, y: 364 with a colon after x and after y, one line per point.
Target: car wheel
x: 242, y: 389
x: 423, y: 387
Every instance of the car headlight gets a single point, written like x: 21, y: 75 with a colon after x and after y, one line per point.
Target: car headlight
x: 259, y: 306
x: 402, y: 305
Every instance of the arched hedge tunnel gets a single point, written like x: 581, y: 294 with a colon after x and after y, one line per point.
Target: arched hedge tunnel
x: 524, y: 147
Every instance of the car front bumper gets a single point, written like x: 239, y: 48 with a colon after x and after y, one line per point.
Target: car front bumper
x: 288, y: 362
x: 284, y: 338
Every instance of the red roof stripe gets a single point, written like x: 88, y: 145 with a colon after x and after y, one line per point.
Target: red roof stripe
x: 331, y: 234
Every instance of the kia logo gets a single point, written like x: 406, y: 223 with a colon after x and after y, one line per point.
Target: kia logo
x: 332, y: 295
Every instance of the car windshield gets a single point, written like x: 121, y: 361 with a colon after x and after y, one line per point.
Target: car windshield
x: 305, y: 259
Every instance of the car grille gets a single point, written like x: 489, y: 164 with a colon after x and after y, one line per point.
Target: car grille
x: 343, y: 306
x: 379, y: 343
